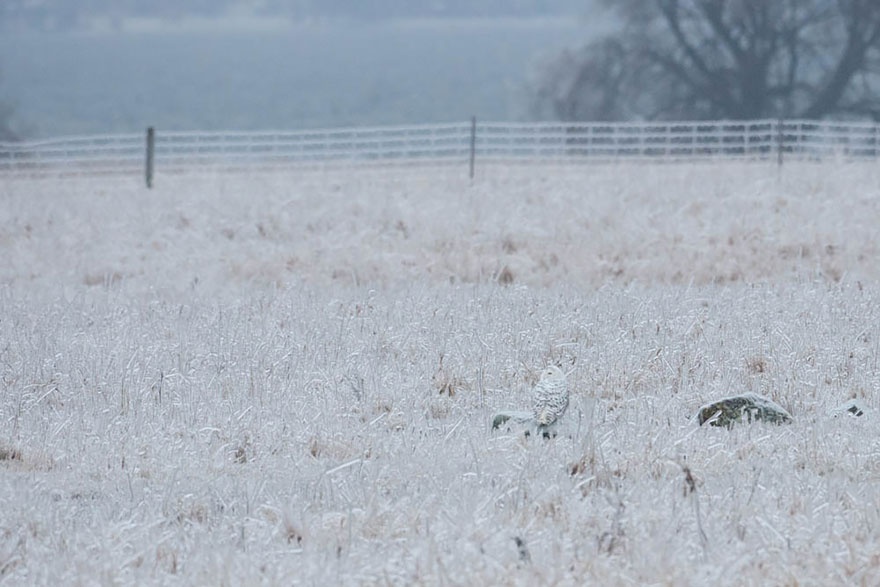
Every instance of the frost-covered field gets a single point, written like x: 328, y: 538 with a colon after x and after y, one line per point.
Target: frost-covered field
x: 289, y: 378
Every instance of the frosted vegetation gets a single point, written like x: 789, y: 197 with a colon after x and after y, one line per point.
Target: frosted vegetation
x: 290, y: 378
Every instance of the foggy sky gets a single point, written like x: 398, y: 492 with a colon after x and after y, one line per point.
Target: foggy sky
x: 67, y: 15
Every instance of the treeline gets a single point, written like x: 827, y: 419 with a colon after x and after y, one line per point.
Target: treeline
x: 60, y: 15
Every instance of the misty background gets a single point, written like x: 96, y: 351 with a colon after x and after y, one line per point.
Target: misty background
x: 113, y: 66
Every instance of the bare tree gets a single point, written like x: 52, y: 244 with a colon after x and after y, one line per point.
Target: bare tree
x: 728, y: 59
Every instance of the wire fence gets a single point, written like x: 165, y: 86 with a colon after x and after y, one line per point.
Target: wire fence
x: 441, y: 144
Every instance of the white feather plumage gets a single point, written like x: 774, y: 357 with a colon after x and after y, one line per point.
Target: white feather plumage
x: 550, y: 398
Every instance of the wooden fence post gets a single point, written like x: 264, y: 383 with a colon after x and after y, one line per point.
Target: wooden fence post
x: 473, y: 145
x: 151, y: 144
x: 780, y: 141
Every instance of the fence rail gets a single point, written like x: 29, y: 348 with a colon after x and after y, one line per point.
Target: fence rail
x: 444, y: 144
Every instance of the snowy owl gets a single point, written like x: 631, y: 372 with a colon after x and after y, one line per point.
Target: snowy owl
x: 551, y: 399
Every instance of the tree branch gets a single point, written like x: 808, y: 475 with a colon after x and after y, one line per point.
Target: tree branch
x: 862, y: 34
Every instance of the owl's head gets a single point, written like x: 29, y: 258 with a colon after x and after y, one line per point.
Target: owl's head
x: 552, y: 373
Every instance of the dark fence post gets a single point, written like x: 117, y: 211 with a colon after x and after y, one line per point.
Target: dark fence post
x: 151, y: 144
x: 473, y: 144
x: 780, y: 140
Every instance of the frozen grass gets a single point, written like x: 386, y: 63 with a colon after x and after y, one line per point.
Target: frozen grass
x: 697, y: 225
x: 290, y: 379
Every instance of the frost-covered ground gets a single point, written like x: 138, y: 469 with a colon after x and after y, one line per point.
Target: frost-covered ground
x: 288, y: 378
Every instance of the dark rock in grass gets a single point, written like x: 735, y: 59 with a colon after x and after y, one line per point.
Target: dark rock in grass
x: 508, y: 417
x: 851, y: 408
x: 524, y: 422
x: 748, y: 407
